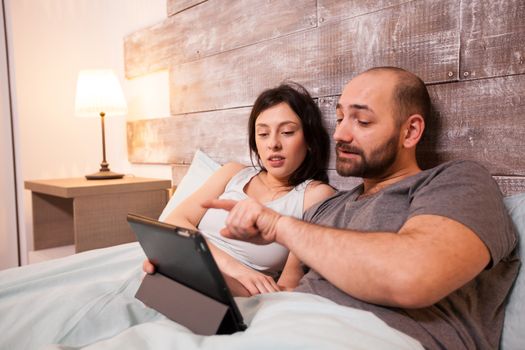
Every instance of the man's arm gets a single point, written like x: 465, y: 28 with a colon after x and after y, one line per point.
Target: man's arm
x: 430, y: 256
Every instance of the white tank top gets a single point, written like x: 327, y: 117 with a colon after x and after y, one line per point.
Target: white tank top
x: 269, y: 258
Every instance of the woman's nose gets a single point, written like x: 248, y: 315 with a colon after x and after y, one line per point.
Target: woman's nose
x: 274, y: 143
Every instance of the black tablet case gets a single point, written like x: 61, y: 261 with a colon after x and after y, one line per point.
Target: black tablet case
x: 187, y: 287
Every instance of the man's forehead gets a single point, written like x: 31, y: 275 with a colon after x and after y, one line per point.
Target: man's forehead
x: 367, y: 89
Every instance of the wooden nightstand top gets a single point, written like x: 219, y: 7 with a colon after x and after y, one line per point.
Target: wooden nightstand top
x: 75, y: 187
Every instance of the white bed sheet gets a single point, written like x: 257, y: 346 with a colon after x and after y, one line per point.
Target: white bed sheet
x: 87, y: 301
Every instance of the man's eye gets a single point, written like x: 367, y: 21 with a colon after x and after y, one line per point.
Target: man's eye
x: 363, y: 122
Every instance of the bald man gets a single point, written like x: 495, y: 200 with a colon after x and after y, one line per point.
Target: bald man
x: 430, y: 252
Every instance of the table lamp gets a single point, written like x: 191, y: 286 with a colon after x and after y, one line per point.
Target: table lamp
x: 99, y: 94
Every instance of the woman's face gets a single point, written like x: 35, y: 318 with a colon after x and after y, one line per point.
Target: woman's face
x: 280, y: 140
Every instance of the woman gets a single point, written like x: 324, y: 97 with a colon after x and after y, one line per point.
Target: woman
x: 291, y: 147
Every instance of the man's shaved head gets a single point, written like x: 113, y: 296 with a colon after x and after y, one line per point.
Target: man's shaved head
x: 409, y: 96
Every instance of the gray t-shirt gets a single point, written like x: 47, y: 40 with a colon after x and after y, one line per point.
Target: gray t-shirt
x: 470, y: 317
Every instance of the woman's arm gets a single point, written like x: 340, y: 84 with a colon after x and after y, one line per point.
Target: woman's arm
x: 253, y: 281
x: 293, y: 270
x: 189, y: 212
x: 316, y: 192
x: 291, y: 274
x: 242, y: 279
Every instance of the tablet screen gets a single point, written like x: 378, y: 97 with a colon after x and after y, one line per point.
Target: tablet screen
x: 181, y: 255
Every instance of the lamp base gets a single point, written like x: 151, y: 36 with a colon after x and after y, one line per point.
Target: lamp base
x: 104, y: 175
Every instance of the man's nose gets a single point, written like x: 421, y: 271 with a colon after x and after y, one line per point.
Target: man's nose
x: 343, y: 131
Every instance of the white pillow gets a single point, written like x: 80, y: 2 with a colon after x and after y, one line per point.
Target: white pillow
x: 201, y: 168
x: 513, y: 336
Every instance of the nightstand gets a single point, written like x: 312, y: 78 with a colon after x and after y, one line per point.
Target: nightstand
x: 92, y: 213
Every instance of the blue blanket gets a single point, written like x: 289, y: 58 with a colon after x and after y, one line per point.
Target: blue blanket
x: 87, y: 301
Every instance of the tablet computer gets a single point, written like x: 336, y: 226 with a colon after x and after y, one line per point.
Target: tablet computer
x: 183, y: 256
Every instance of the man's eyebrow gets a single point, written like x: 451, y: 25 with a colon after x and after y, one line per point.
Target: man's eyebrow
x: 356, y: 106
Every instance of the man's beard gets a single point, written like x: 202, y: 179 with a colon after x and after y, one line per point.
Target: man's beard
x: 375, y: 165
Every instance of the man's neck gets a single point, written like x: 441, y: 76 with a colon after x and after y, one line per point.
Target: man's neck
x: 376, y: 184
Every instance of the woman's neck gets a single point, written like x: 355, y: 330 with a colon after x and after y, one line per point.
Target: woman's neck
x: 274, y: 184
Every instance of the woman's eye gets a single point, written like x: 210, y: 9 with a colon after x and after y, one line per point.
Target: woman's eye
x: 288, y: 132
x: 262, y: 134
x: 338, y: 121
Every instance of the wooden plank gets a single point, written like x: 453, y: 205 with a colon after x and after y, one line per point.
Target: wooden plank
x: 422, y: 39
x: 212, y: 27
x: 481, y: 120
x: 221, y: 134
x: 510, y: 185
x: 336, y: 10
x: 492, y: 38
x: 176, y: 6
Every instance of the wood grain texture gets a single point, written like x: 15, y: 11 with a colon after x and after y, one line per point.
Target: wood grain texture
x: 492, y: 38
x: 212, y: 27
x: 481, y: 120
x: 510, y: 185
x: 423, y: 39
x: 221, y: 134
x: 176, y: 6
x: 336, y: 10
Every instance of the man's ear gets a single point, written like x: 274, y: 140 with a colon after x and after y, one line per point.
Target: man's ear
x: 412, y: 130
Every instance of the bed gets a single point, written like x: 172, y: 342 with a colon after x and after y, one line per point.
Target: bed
x: 87, y: 301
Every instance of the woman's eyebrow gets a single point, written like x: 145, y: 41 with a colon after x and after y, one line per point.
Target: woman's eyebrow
x: 278, y: 125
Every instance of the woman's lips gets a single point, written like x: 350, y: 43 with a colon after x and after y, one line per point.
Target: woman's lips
x: 276, y: 161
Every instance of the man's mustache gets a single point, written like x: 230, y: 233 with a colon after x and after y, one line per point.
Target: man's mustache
x: 347, y: 148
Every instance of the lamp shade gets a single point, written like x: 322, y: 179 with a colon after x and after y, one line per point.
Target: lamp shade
x: 99, y: 91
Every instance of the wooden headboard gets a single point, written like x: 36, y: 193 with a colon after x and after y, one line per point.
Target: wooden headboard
x: 222, y: 54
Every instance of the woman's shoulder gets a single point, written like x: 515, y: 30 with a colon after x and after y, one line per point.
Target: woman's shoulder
x: 233, y: 167
x: 317, y: 191
x: 230, y: 169
x: 226, y: 172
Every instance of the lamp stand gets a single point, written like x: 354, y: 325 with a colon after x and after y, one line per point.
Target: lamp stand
x: 104, y: 173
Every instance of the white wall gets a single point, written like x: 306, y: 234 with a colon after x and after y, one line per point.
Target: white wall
x: 8, y: 237
x: 51, y: 40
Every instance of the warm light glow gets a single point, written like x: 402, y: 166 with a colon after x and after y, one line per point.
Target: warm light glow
x: 98, y: 90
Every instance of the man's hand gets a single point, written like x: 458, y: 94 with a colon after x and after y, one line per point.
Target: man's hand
x: 248, y: 220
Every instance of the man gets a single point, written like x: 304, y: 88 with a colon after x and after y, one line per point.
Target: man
x: 432, y: 253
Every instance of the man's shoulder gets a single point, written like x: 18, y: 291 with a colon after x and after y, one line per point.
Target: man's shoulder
x: 339, y: 198
x: 466, y: 165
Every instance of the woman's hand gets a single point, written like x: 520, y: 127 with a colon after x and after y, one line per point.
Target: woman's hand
x: 253, y: 281
x: 148, y: 267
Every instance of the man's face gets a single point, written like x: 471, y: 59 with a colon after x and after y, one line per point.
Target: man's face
x: 367, y: 135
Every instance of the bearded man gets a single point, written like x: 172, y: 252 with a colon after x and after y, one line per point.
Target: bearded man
x: 430, y: 252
